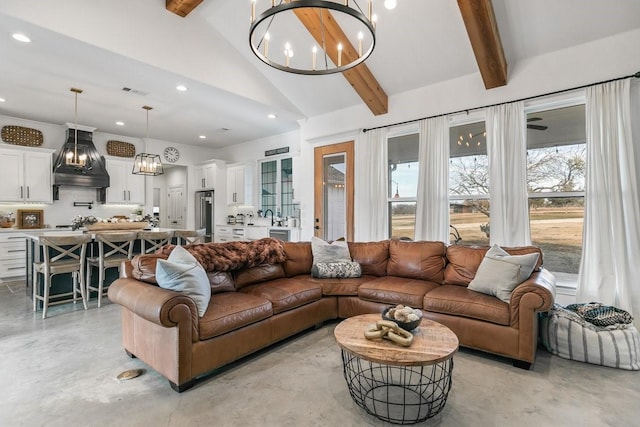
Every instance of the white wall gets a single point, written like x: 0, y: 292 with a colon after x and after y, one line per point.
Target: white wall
x: 585, y: 64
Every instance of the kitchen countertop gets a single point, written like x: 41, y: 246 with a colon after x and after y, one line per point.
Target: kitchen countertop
x: 275, y: 227
x: 35, y: 234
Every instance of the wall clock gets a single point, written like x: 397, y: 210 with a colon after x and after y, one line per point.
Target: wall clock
x: 171, y: 154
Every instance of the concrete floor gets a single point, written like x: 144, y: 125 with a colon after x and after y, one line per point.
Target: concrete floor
x: 62, y: 372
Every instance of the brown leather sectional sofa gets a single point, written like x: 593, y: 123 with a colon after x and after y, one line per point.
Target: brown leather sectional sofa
x: 255, y: 307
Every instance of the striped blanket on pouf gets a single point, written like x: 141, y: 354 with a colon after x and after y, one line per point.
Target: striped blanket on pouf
x: 566, y: 333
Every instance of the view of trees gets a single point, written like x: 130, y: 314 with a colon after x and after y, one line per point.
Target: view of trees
x: 549, y: 170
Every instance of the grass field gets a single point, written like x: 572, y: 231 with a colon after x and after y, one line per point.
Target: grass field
x: 558, y: 231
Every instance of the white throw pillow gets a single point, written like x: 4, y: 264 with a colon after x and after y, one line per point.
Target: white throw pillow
x: 182, y: 273
x: 338, y: 251
x: 499, y: 273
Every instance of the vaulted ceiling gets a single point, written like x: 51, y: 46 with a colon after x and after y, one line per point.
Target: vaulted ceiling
x: 103, y: 47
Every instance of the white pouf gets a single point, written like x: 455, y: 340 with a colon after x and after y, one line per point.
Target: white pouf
x: 566, y: 334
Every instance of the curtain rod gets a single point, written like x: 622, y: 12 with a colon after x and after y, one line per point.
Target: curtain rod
x: 466, y: 110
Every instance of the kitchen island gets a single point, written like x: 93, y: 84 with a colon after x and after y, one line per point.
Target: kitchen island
x: 62, y: 283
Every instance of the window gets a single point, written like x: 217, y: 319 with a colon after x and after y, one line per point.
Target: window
x: 276, y: 186
x: 403, y: 185
x: 556, y: 160
x: 469, y: 184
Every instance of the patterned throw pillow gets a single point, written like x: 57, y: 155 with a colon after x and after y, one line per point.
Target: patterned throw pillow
x: 337, y: 251
x: 325, y: 270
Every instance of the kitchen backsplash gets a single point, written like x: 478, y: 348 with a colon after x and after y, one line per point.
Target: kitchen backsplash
x: 62, y: 211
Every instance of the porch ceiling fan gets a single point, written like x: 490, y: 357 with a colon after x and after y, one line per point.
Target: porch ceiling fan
x: 536, y: 127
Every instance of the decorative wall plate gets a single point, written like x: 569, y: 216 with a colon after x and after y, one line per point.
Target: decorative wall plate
x: 18, y: 135
x: 121, y: 149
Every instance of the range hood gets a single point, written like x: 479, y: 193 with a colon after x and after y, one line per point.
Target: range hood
x: 92, y: 174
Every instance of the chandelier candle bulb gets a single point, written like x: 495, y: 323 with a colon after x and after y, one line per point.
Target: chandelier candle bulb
x: 267, y: 37
x: 314, y: 53
x: 360, y: 37
x: 253, y: 10
x: 339, y: 54
x: 370, y: 10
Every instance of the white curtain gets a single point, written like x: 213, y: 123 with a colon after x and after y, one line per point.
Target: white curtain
x: 610, y: 271
x: 371, y: 210
x: 432, y: 210
x: 506, y: 148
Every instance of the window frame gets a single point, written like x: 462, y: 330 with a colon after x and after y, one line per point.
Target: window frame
x: 397, y: 131
x: 278, y: 184
x: 564, y: 100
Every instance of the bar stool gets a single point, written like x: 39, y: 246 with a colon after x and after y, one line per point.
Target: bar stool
x: 113, y: 248
x: 151, y: 241
x: 62, y: 254
x: 187, y: 237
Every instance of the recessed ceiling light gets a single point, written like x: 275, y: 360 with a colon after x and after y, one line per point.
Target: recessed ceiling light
x: 203, y: 137
x: 390, y: 4
x: 272, y: 116
x: 21, y: 37
x: 2, y: 100
x: 181, y: 88
x: 120, y: 123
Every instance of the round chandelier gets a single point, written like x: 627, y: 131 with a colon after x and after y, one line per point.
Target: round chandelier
x: 338, y: 36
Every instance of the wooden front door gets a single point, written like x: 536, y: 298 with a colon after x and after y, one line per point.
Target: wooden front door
x: 333, y: 207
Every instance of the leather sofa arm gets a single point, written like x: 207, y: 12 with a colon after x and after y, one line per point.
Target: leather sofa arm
x: 537, y: 293
x: 153, y: 303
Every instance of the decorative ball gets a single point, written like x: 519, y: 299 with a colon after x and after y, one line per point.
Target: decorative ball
x: 406, y: 317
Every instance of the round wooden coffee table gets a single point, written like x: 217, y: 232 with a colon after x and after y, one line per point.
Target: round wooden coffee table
x: 401, y: 385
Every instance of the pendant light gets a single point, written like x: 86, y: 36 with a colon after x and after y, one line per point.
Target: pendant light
x: 145, y: 163
x: 75, y: 157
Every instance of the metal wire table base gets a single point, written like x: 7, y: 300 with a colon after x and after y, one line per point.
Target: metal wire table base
x: 398, y: 394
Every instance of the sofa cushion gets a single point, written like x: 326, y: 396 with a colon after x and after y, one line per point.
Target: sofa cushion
x: 327, y: 270
x: 182, y: 273
x: 144, y: 267
x: 221, y: 281
x: 499, y: 273
x: 395, y: 290
x: 299, y: 258
x: 465, y: 260
x: 285, y: 294
x: 372, y: 256
x: 337, y: 251
x: 417, y: 260
x: 229, y: 311
x: 260, y: 273
x: 338, y: 286
x: 460, y: 301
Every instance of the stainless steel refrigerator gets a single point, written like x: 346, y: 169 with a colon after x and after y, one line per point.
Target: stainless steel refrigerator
x: 204, y: 213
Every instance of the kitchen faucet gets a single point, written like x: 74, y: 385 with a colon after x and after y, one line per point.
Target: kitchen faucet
x: 265, y: 215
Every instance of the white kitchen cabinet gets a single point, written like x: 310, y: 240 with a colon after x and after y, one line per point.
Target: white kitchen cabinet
x: 26, y: 176
x: 235, y: 185
x: 228, y: 233
x: 205, y: 176
x: 124, y: 187
x: 13, y: 253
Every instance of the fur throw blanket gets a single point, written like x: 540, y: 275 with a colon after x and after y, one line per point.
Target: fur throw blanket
x: 233, y: 255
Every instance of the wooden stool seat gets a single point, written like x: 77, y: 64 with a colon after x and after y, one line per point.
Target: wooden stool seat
x: 187, y: 237
x: 151, y: 241
x: 113, y: 248
x: 62, y: 254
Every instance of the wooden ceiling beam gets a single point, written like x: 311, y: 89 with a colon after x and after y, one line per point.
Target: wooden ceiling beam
x: 182, y: 7
x: 360, y: 77
x: 485, y: 40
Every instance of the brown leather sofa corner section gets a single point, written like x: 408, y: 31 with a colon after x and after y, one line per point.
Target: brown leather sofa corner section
x: 255, y: 307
